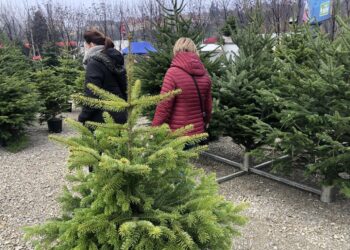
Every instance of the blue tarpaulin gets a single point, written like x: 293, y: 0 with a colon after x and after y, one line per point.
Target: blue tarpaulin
x: 139, y: 48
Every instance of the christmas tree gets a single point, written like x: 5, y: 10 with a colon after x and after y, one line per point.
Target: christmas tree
x: 143, y: 192
x: 314, y: 104
x: 238, y: 112
x: 54, y: 93
x: 230, y: 27
x: 70, y: 71
x: 151, y: 70
x: 50, y: 54
x: 18, y: 97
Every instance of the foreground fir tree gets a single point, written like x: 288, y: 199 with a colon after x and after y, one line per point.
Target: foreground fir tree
x: 143, y: 192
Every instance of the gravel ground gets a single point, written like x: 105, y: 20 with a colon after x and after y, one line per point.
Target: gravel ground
x: 280, y: 217
x: 30, y: 182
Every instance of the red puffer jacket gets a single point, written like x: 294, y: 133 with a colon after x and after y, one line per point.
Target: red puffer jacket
x: 185, y: 109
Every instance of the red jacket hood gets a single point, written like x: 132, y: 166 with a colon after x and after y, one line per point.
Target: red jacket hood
x: 189, y: 62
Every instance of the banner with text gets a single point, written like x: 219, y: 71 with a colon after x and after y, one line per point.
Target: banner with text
x: 316, y: 11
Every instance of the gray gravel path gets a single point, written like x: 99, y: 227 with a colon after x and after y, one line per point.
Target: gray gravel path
x: 30, y: 182
x: 280, y: 217
x: 285, y: 218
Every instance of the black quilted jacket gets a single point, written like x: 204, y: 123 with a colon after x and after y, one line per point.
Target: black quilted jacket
x: 105, y: 70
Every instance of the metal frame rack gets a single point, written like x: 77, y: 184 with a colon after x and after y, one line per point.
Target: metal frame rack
x: 327, y: 194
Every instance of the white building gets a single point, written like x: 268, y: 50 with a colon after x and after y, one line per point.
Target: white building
x: 229, y: 49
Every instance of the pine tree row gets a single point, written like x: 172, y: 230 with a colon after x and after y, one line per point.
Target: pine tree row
x: 29, y: 88
x: 293, y: 94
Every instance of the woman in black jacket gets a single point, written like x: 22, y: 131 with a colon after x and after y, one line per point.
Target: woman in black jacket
x: 105, y: 68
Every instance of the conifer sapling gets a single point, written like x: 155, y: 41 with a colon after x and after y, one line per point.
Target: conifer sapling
x: 143, y: 192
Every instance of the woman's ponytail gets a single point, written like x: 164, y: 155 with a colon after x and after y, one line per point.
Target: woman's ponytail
x: 108, y: 43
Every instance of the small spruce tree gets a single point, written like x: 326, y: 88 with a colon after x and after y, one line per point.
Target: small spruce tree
x: 50, y: 54
x: 53, y: 92
x: 70, y: 71
x: 143, y: 192
x: 230, y: 27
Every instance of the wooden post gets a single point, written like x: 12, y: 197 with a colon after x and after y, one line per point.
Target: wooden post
x: 328, y: 193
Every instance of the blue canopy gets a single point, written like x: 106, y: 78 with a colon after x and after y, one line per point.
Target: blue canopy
x: 139, y: 48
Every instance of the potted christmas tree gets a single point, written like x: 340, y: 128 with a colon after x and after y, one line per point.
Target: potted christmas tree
x: 70, y: 71
x: 54, y: 94
x: 143, y: 192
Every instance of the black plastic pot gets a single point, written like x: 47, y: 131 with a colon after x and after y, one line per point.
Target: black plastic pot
x: 55, y: 125
x: 3, y: 143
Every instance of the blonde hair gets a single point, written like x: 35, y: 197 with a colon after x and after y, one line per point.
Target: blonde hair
x: 185, y: 44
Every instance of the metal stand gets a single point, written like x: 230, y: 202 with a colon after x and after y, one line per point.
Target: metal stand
x: 327, y: 193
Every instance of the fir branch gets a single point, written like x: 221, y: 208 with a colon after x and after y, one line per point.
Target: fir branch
x: 78, y: 126
x: 114, y: 106
x: 114, y: 126
x: 64, y: 141
x: 146, y: 101
x: 182, y: 131
x: 105, y: 95
x: 136, y: 90
x: 123, y: 165
x: 190, y: 140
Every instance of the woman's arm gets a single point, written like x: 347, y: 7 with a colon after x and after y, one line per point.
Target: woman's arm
x: 208, y: 105
x: 165, y: 108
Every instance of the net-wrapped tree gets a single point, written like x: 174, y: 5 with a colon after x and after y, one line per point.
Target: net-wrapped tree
x: 18, y: 96
x: 151, y: 69
x: 143, y: 192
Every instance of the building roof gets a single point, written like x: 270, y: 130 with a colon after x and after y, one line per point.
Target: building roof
x: 210, y: 40
x: 210, y: 48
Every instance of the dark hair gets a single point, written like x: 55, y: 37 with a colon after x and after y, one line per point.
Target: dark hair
x: 98, y: 38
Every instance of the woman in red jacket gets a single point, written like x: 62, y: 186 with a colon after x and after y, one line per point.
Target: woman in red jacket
x: 194, y: 104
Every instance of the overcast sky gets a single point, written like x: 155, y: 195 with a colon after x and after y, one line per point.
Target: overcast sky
x: 70, y: 2
x: 18, y: 7
x: 75, y: 3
